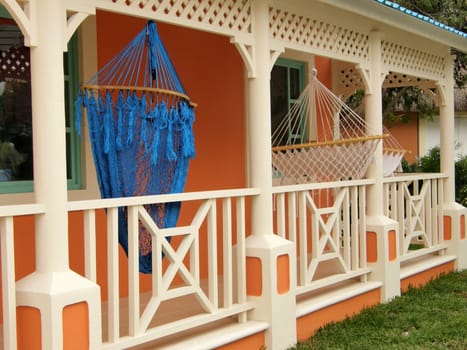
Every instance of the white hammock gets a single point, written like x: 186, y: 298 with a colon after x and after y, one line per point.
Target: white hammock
x: 392, y: 155
x: 322, y: 139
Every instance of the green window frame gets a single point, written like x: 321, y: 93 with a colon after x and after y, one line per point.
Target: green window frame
x: 287, y: 83
x: 73, y: 151
x: 74, y: 174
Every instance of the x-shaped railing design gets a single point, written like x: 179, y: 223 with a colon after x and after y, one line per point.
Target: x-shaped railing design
x: 416, y: 216
x: 326, y: 229
x: 162, y: 285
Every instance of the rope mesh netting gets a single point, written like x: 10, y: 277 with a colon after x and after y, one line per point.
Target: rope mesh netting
x: 322, y: 139
x: 140, y: 125
x: 393, y: 152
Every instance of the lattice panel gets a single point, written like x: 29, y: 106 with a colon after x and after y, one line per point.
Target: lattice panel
x: 409, y: 60
x: 317, y: 34
x: 394, y: 79
x: 227, y: 15
x: 349, y: 80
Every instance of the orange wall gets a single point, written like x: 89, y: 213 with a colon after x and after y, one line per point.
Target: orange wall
x: 324, y: 69
x: 211, y: 71
x: 24, y: 249
x: 309, y: 324
x: 407, y: 135
x: 253, y: 342
x: 422, y: 278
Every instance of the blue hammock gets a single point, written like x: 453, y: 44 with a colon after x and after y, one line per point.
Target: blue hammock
x: 140, y: 125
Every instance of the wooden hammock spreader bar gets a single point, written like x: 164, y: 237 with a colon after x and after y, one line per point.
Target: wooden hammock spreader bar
x: 330, y: 143
x: 140, y: 88
x: 395, y: 150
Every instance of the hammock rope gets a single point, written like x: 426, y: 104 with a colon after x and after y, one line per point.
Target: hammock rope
x: 140, y: 122
x: 393, y: 153
x: 322, y: 139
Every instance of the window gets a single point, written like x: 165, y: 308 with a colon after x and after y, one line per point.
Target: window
x: 16, y: 153
x: 287, y: 82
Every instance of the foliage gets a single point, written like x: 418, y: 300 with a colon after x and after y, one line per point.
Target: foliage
x: 432, y: 317
x: 406, y: 99
x: 398, y: 103
x: 10, y: 158
x: 461, y: 181
x: 430, y: 163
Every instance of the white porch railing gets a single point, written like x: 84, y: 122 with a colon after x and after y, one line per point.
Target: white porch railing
x: 217, y: 287
x: 7, y: 245
x: 415, y: 201
x: 327, y: 223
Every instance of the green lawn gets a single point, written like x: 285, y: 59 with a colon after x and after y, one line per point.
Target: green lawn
x: 432, y: 317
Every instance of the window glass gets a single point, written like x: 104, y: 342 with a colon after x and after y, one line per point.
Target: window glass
x: 15, y: 106
x: 295, y: 83
x: 279, y: 96
x: 287, y: 80
x: 16, y: 152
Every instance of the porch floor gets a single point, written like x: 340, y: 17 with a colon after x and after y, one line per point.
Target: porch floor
x: 207, y: 335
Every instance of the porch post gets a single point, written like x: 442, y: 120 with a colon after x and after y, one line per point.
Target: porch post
x: 454, y: 229
x: 447, y: 134
x: 270, y: 259
x: 56, y: 308
x: 381, y: 232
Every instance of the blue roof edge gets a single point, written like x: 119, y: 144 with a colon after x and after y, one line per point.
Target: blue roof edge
x: 422, y: 17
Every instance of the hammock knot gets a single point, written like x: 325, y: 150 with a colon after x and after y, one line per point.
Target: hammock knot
x: 187, y: 118
x: 108, y: 122
x: 132, y: 105
x: 171, y: 119
x: 121, y: 106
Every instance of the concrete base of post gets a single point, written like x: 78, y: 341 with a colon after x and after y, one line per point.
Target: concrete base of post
x: 454, y: 232
x: 271, y: 282
x: 382, y: 241
x: 68, y: 308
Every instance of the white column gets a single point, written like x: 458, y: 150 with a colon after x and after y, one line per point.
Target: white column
x: 259, y: 123
x: 385, y: 267
x: 447, y: 134
x: 454, y: 214
x: 373, y: 114
x: 53, y: 286
x: 275, y: 255
x: 49, y: 145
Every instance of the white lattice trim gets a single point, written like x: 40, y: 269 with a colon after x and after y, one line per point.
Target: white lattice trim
x: 229, y: 17
x: 317, y: 36
x: 394, y: 79
x: 416, y: 62
x: 348, y: 80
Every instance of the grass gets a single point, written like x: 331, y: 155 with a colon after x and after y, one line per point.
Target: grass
x: 432, y: 317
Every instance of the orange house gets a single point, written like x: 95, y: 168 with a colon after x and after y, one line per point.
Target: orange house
x: 257, y: 259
